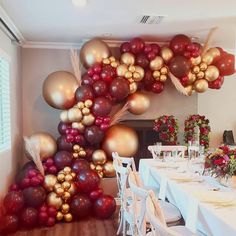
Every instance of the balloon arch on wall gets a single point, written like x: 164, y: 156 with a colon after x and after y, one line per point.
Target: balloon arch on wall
x: 61, y: 182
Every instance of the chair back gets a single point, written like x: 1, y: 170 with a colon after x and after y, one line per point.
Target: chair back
x: 156, y: 217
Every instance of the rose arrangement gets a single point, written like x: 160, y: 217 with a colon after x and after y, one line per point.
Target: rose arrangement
x: 167, y: 126
x: 203, y: 124
x: 222, y: 162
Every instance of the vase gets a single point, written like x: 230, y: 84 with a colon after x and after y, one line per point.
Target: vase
x: 228, y: 181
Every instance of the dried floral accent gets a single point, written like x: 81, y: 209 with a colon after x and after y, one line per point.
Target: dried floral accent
x: 119, y: 115
x: 76, y: 65
x: 178, y: 84
x: 208, y: 40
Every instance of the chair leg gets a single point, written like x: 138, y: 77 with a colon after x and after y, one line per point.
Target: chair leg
x: 124, y: 228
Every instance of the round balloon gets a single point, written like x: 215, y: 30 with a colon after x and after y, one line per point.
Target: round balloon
x: 93, y: 51
x: 63, y: 159
x: 59, y: 89
x: 179, y: 42
x: 102, y: 106
x: 122, y: 139
x: 93, y: 134
x: 83, y: 93
x: 179, y: 66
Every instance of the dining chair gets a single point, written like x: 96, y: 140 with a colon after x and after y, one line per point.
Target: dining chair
x: 157, y: 221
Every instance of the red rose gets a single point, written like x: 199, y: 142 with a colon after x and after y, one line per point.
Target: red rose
x: 219, y: 161
x: 171, y: 129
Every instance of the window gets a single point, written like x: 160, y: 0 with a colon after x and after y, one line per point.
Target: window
x: 5, y: 121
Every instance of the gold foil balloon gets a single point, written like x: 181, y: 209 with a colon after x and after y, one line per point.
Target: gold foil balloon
x: 215, y: 52
x: 201, y: 85
x: 156, y: 63
x: 93, y: 51
x: 191, y: 78
x: 196, y: 61
x: 122, y: 139
x: 99, y: 157
x: 59, y: 89
x: 121, y: 70
x: 88, y: 120
x: 138, y: 103
x: 108, y: 169
x: 74, y: 114
x: 207, y: 58
x: 140, y: 71
x: 133, y: 87
x: 47, y: 144
x: 127, y: 58
x: 212, y: 73
x: 49, y: 182
x: 166, y: 54
x: 54, y: 200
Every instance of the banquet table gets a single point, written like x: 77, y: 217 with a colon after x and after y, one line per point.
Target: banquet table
x: 206, y: 206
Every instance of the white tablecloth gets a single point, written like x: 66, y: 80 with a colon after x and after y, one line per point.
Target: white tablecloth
x: 198, y: 215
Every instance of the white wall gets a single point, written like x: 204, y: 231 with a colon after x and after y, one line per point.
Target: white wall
x: 9, y: 160
x: 219, y: 107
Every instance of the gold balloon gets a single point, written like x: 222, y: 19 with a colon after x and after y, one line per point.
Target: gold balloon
x: 49, y: 182
x: 73, y: 189
x: 64, y: 117
x: 191, y: 78
x: 122, y: 139
x: 207, y: 58
x: 93, y: 51
x: 108, y: 169
x: 156, y: 63
x: 215, y: 52
x: 79, y: 126
x: 201, y: 85
x: 59, y: 216
x: 140, y: 70
x: 54, y: 200
x: 74, y: 114
x: 166, y: 54
x: 212, y: 73
x: 127, y: 58
x: 121, y: 69
x: 65, y: 208
x: 138, y: 103
x: 196, y: 61
x: 98, y: 168
x: 68, y: 217
x: 163, y: 78
x: 47, y: 144
x: 59, y: 89
x: 88, y: 120
x: 99, y: 157
x: 133, y: 87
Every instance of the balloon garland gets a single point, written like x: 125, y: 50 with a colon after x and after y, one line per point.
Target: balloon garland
x: 204, y: 128
x: 167, y: 128
x: 61, y: 182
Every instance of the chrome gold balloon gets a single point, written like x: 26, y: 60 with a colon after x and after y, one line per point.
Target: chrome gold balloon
x: 127, y: 58
x: 99, y: 157
x: 200, y: 85
x: 166, y: 54
x: 212, y: 73
x: 108, y: 169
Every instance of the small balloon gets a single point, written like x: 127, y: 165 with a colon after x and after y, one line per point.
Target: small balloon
x: 216, y: 84
x: 108, y: 169
x: 63, y: 145
x: 99, y: 157
x: 102, y: 106
x: 100, y: 88
x: 156, y: 63
x: 200, y: 85
x: 226, y: 64
x: 157, y: 87
x: 142, y: 60
x: 84, y: 93
x: 137, y: 45
x: 166, y: 54
x: 211, y: 73
x: 127, y: 58
x: 179, y: 42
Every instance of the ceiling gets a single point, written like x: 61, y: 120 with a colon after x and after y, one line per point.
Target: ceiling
x: 60, y: 21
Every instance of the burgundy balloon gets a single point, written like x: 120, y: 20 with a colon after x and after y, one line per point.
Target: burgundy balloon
x: 83, y: 93
x: 179, y: 66
x: 29, y: 217
x: 62, y: 127
x: 137, y: 45
x: 179, y: 42
x: 87, y: 181
x: 125, y: 47
x: 81, y: 206
x: 104, y: 207
x: 157, y: 87
x: 80, y: 165
x: 108, y: 73
x: 86, y: 80
x: 63, y: 159
x: 102, y: 106
x: 148, y: 80
x: 216, y: 84
x: 95, y: 194
x: 62, y: 145
x: 89, y: 152
x: 100, y: 88
x: 119, y: 89
x: 142, y: 60
x: 9, y: 224
x: 226, y: 64
x: 93, y: 134
x: 14, y: 202
x: 34, y: 196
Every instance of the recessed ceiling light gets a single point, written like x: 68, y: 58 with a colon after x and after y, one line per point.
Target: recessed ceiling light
x: 79, y: 3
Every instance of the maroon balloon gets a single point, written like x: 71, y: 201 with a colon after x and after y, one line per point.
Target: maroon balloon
x: 80, y: 165
x: 89, y: 152
x: 157, y: 87
x: 148, y: 80
x: 86, y: 80
x: 137, y: 45
x: 226, y: 64
x: 95, y: 194
x: 34, y: 196
x: 179, y: 42
x: 62, y: 145
x: 81, y: 206
x: 104, y: 207
x: 125, y: 47
x: 119, y: 89
x: 142, y: 60
x: 87, y: 181
x: 102, y: 106
x: 29, y: 217
x: 108, y: 73
x: 83, y: 93
x: 63, y: 159
x: 62, y: 127
x: 179, y: 66
x: 100, y: 88
x: 93, y: 134
x: 216, y: 84
x: 14, y: 202
x: 9, y: 224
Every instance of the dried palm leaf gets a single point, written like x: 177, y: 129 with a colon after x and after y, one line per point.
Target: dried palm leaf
x: 208, y: 40
x: 178, y: 85
x: 119, y: 115
x: 76, y: 65
x: 33, y: 149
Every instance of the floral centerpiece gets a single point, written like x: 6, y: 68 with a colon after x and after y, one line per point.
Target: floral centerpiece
x: 167, y: 127
x: 204, y: 128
